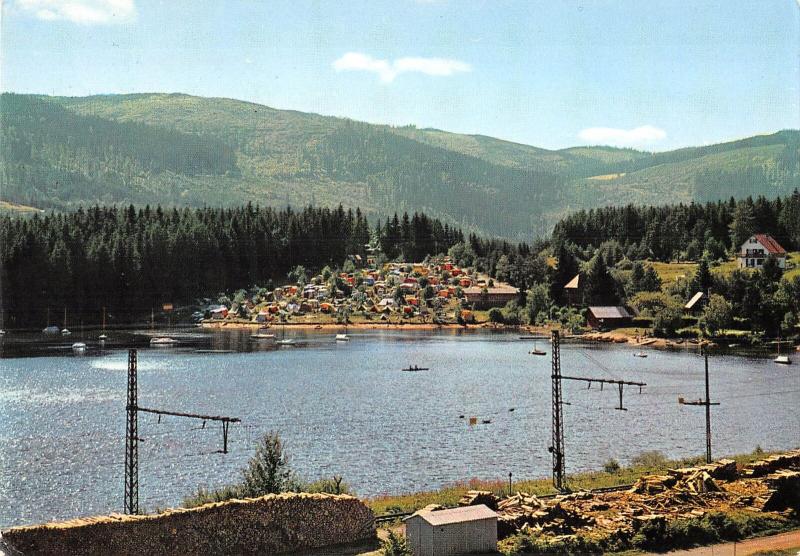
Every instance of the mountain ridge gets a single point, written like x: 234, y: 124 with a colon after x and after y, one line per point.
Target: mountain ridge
x: 60, y: 152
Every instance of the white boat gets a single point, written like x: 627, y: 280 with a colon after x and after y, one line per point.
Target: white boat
x: 536, y: 350
x: 163, y: 342
x: 102, y: 337
x: 78, y: 347
x: 640, y: 354
x: 343, y: 337
x: 2, y: 332
x: 65, y: 331
x: 51, y: 330
x: 284, y: 341
x: 263, y: 336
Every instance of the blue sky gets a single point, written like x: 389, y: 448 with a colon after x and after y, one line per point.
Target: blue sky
x: 648, y: 74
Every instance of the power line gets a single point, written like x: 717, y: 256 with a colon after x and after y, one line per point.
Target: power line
x: 557, y: 447
x: 132, y: 435
x: 707, y: 404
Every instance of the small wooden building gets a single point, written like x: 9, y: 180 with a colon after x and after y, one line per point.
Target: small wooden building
x: 496, y: 296
x: 608, y: 317
x: 449, y: 532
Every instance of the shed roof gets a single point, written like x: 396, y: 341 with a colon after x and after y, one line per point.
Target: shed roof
x: 617, y: 312
x: 573, y: 284
x: 769, y: 243
x: 457, y: 515
x: 693, y: 301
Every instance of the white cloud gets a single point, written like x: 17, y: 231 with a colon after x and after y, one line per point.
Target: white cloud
x: 635, y: 137
x: 84, y: 12
x: 387, y: 71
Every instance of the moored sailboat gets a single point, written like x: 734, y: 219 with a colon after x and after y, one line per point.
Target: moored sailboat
x: 781, y: 359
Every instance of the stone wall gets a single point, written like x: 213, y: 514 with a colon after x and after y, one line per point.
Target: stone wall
x: 268, y: 525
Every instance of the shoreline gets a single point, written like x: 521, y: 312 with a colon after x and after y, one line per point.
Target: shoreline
x: 524, y: 330
x: 542, y: 333
x: 643, y: 342
x: 235, y: 325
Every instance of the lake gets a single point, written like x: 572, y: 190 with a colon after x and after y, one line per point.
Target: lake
x: 346, y: 409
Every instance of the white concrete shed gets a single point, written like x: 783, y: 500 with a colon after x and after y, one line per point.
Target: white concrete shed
x: 449, y: 532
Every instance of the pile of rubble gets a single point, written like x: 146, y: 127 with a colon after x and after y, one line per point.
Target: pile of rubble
x: 771, y: 485
x: 695, y: 480
x: 478, y: 497
x: 772, y: 463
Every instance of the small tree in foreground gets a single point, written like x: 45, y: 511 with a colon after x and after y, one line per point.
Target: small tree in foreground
x: 268, y: 471
x: 395, y: 545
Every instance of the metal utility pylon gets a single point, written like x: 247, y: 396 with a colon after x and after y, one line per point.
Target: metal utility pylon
x: 132, y: 434
x: 707, y: 403
x: 557, y: 447
x: 132, y: 440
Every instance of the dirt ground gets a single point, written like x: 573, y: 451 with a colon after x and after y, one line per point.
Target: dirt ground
x: 782, y: 543
x: 764, y: 545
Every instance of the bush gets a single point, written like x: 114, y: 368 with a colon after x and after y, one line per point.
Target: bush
x: 333, y: 485
x: 714, y: 527
x: 651, y: 459
x: 496, y: 315
x: 716, y: 315
x: 205, y: 496
x: 395, y: 545
x: 611, y: 466
x: 657, y: 535
x: 535, y: 544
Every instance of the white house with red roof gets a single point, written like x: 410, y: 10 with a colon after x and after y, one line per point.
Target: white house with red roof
x: 757, y: 248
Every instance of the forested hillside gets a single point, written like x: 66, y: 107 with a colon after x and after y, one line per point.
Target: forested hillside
x: 179, y: 150
x: 130, y: 260
x: 684, y: 232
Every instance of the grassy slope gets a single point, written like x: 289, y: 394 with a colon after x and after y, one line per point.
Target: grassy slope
x: 13, y: 208
x: 671, y: 272
x: 793, y: 263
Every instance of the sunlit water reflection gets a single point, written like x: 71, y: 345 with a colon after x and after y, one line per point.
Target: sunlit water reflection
x: 346, y: 409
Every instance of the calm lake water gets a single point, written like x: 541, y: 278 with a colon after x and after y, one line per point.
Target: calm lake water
x: 345, y: 409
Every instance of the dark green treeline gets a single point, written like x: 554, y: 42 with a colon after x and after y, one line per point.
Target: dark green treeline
x: 130, y: 260
x: 684, y: 231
